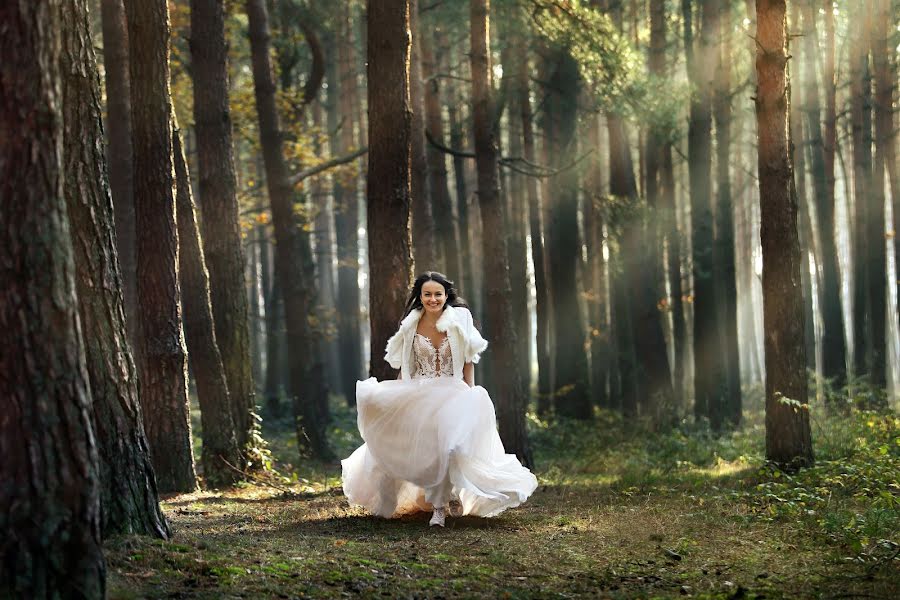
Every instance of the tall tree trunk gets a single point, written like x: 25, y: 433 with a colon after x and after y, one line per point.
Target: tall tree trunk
x: 598, y: 293
x: 346, y: 221
x: 508, y: 394
x: 821, y: 155
x: 571, y: 394
x: 128, y: 495
x: 788, y: 440
x: 119, y: 153
x: 163, y: 358
x: 388, y: 209
x: 725, y: 284
x: 274, y: 325
x: 424, y: 255
x: 455, y: 121
x: 219, y: 208
x: 49, y: 475
x: 293, y: 255
x: 220, y: 453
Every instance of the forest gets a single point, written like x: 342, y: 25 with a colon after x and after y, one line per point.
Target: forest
x: 673, y: 220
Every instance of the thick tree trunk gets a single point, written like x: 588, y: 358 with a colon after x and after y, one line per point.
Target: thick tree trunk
x: 728, y: 412
x: 388, y: 209
x: 220, y: 453
x: 128, y: 495
x: 119, y: 153
x: 508, y: 395
x: 346, y: 222
x: 424, y: 256
x: 219, y: 209
x: 788, y: 440
x: 293, y: 255
x: 49, y: 474
x: 571, y: 395
x: 163, y: 360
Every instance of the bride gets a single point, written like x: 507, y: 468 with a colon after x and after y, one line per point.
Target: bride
x: 431, y: 440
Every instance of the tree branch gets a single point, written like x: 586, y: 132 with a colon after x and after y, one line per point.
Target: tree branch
x: 334, y: 162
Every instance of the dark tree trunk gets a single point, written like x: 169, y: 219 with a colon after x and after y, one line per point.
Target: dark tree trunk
x: 571, y: 394
x: 388, y: 209
x: 444, y: 229
x: 128, y: 495
x: 455, y: 123
x: 424, y: 255
x: 293, y: 255
x: 274, y: 326
x: 508, y: 395
x: 219, y: 208
x: 728, y: 412
x: 220, y: 453
x: 346, y: 223
x: 788, y: 440
x: 821, y: 157
x: 49, y: 474
x: 119, y: 154
x: 163, y: 360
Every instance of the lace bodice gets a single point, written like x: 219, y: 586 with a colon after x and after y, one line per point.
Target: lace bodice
x: 430, y: 362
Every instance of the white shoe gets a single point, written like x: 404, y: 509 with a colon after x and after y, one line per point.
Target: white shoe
x: 437, y: 518
x: 456, y: 508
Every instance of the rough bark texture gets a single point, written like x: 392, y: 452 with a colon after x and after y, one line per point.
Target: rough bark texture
x: 220, y: 453
x: 388, y: 194
x: 508, y: 395
x: 119, y: 153
x: 571, y: 393
x: 424, y: 256
x: 219, y: 208
x: 128, y: 495
x: 49, y: 475
x: 788, y: 440
x: 293, y: 256
x: 346, y: 221
x: 162, y: 363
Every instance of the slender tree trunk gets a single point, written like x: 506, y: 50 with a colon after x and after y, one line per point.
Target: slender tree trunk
x: 219, y: 208
x: 274, y: 325
x: 388, y: 210
x: 598, y: 293
x: 508, y: 395
x: 788, y: 440
x: 163, y: 358
x: 293, y: 255
x: 457, y: 137
x: 119, y: 153
x: 346, y: 223
x: 128, y: 495
x: 424, y: 255
x: 49, y: 476
x: 220, y: 454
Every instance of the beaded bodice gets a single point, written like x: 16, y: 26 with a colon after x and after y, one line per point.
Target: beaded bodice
x: 430, y: 362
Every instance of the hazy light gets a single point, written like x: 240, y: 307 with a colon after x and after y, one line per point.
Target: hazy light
x: 746, y: 22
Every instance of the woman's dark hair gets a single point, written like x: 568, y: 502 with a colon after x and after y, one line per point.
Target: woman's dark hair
x: 415, y: 296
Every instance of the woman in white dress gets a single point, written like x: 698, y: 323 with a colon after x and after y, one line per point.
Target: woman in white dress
x: 431, y: 440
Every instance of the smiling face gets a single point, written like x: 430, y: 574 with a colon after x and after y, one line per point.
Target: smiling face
x: 433, y: 297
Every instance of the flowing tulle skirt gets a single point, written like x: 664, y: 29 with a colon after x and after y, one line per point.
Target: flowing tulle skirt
x: 428, y: 440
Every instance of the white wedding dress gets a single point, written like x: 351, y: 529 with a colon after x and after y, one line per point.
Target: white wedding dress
x: 429, y: 440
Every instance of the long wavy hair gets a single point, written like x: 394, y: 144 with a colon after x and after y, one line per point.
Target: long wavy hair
x: 415, y: 296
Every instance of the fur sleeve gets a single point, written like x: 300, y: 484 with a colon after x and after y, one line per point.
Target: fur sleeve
x: 393, y: 352
x: 475, y: 344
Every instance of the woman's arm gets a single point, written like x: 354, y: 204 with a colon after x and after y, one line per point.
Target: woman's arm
x: 469, y: 374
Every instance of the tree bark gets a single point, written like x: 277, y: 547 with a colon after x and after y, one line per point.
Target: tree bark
x: 163, y: 360
x: 220, y: 453
x: 128, y: 495
x: 293, y: 255
x: 388, y: 195
x: 119, y: 154
x: 346, y: 220
x: 220, y: 226
x: 49, y: 475
x: 788, y: 440
x: 508, y: 395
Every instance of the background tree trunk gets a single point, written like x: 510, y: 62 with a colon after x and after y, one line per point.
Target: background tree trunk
x: 49, y: 475
x: 508, y: 394
x: 388, y: 209
x: 423, y: 231
x: 220, y: 226
x: 163, y: 360
x: 788, y: 439
x: 128, y: 495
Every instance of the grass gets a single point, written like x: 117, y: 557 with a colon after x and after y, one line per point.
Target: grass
x: 621, y: 512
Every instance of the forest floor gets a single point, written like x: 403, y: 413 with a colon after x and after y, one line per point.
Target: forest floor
x: 621, y: 512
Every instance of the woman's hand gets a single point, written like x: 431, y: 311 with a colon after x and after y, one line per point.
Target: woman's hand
x: 469, y: 374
